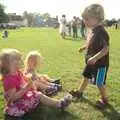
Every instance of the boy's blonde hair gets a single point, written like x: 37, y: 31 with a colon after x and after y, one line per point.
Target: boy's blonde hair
x: 95, y: 11
x: 32, y: 54
x: 5, y: 57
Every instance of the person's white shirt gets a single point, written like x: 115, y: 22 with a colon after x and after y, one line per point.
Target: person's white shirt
x: 63, y: 22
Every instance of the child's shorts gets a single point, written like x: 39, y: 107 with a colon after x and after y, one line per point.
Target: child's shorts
x: 97, y: 75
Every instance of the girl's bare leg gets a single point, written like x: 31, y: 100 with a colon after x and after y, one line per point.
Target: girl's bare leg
x: 62, y: 103
x: 49, y: 101
x: 41, y: 86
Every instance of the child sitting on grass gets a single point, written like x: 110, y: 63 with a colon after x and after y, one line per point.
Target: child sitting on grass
x: 33, y: 61
x: 20, y: 94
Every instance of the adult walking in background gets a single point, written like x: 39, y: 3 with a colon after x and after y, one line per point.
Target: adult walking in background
x: 63, y: 22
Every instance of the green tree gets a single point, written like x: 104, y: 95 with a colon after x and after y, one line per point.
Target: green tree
x: 3, y: 15
x: 46, y: 16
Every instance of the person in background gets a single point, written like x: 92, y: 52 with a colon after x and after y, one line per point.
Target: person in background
x: 74, y: 27
x: 62, y: 29
x: 82, y: 29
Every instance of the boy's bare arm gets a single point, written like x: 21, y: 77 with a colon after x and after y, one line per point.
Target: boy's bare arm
x: 99, y: 55
x: 82, y: 48
x: 102, y: 53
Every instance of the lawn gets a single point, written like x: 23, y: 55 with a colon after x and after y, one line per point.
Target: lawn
x: 62, y: 60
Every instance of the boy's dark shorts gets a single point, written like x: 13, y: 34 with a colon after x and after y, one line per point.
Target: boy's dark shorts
x: 97, y: 75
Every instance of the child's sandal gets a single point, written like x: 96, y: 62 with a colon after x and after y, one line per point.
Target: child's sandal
x: 56, y: 81
x: 76, y: 94
x: 100, y: 104
x: 58, y: 87
x: 50, y: 92
x: 65, y: 102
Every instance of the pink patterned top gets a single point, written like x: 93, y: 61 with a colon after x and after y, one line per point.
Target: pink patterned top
x: 27, y: 102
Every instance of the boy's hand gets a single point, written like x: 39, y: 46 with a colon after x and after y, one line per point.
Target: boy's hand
x: 80, y: 50
x: 92, y: 61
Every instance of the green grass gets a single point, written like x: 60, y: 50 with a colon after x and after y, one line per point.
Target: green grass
x: 63, y: 60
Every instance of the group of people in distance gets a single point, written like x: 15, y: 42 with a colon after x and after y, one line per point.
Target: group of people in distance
x: 25, y: 89
x: 74, y: 28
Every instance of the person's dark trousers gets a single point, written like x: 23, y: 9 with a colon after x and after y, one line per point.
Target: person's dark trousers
x: 74, y: 32
x: 82, y: 32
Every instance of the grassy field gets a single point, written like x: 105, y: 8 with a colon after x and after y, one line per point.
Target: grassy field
x: 63, y: 60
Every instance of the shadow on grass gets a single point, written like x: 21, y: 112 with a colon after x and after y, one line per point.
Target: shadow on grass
x: 45, y: 113
x: 109, y: 111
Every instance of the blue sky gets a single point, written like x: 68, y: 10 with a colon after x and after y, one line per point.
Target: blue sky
x: 59, y: 7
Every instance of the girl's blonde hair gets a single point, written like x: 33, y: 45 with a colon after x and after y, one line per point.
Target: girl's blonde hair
x: 5, y: 57
x: 95, y: 11
x: 32, y: 54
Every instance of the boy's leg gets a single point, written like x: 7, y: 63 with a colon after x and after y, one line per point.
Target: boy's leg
x: 103, y: 101
x: 103, y: 93
x: 84, y: 84
x: 100, y: 81
x: 87, y: 73
x: 78, y: 93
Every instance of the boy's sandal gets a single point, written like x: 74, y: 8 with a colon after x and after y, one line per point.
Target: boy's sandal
x: 100, y: 104
x: 76, y: 93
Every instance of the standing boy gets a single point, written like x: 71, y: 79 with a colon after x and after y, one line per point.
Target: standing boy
x: 97, y: 53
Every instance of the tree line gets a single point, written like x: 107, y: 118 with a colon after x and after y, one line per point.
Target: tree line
x: 4, y: 18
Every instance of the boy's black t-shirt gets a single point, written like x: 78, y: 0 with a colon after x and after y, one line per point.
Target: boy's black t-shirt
x: 99, y: 40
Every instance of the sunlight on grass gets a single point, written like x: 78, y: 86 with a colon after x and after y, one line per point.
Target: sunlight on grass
x: 62, y: 60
